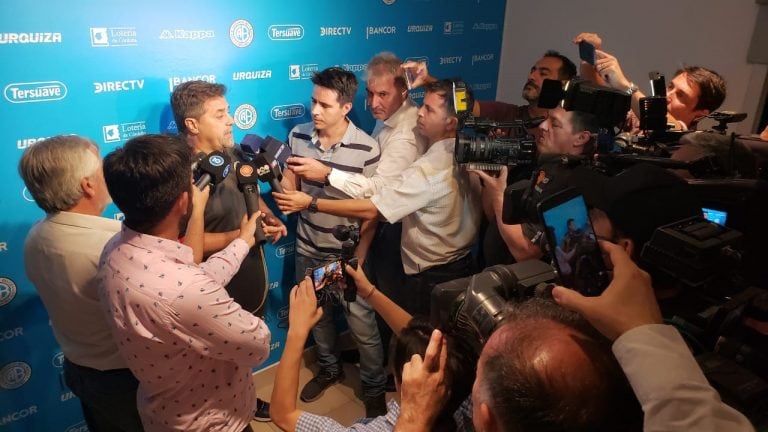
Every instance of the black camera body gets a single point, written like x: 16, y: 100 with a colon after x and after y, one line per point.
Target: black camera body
x: 349, y: 236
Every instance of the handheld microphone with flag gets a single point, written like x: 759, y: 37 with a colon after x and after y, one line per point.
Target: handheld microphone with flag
x: 210, y: 169
x: 268, y: 171
x: 248, y: 183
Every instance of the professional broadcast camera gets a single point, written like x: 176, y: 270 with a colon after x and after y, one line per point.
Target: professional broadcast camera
x: 326, y: 277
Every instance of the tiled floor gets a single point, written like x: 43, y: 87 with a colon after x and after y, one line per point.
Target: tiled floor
x: 339, y: 401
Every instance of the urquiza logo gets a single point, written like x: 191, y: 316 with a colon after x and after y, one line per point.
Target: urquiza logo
x: 77, y: 427
x: 24, y: 143
x: 284, y: 112
x: 285, y: 250
x: 419, y: 28
x: 7, y: 290
x: 302, y: 71
x: 174, y: 81
x: 14, y: 375
x: 481, y: 86
x: 58, y: 359
x: 252, y: 75
x: 380, y: 31
x: 18, y: 415
x: 285, y: 32
x: 241, y: 33
x: 30, y: 38
x: 479, y: 58
x: 123, y: 131
x: 117, y: 86
x: 450, y: 60
x: 419, y: 59
x: 335, y: 31
x: 40, y: 91
x: 453, y: 28
x: 102, y: 37
x: 485, y: 26
x: 245, y: 116
x: 181, y: 34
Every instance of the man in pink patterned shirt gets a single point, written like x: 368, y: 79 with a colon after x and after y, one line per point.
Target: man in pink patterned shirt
x: 189, y: 344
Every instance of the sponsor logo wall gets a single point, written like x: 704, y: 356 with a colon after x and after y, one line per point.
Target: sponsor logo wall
x: 106, y: 73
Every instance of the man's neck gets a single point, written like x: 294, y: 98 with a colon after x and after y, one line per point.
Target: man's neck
x: 87, y: 207
x: 198, y: 146
x: 168, y: 229
x: 333, y: 134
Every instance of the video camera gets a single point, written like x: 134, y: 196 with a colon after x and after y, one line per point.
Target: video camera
x: 326, y: 277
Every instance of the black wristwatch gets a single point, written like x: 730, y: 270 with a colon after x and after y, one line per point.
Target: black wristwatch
x: 313, y: 205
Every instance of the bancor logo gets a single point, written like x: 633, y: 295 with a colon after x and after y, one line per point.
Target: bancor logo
x: 41, y: 91
x: 285, y: 32
x: 282, y: 112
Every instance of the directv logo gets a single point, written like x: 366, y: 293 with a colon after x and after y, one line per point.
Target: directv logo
x: 285, y: 32
x: 241, y: 33
x: 284, y: 112
x: 245, y: 116
x: 42, y: 91
x: 116, y: 86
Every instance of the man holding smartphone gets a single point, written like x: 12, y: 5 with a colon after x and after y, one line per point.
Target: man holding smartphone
x: 333, y: 140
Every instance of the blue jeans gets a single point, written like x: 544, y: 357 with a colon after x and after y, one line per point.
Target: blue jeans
x: 108, y: 397
x: 362, y: 323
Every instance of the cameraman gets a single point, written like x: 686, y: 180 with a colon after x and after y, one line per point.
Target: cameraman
x: 563, y: 133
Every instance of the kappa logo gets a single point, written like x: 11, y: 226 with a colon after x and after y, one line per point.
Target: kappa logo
x: 172, y: 127
x: 180, y: 34
x: 14, y: 375
x: 102, y: 37
x: 245, y: 116
x: 354, y: 68
x: 30, y: 92
x: 30, y: 38
x: 7, y: 290
x: 453, y: 28
x: 485, y: 26
x: 286, y: 32
x: 123, y: 131
x: 241, y: 33
x: 302, y: 71
x: 284, y: 112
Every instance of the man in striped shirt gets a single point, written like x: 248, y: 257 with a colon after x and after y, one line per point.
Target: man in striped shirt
x: 334, y: 140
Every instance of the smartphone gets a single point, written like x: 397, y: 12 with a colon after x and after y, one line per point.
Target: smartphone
x: 572, y: 243
x: 717, y: 216
x: 587, y: 52
x: 327, y: 274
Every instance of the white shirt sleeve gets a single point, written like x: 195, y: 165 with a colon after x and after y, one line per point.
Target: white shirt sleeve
x: 669, y: 384
x: 411, y: 193
x: 400, y: 151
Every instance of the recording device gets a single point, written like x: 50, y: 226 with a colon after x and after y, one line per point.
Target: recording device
x: 327, y: 276
x: 278, y: 151
x: 268, y: 171
x: 723, y: 118
x: 480, y: 146
x: 248, y: 183
x: 609, y: 106
x: 210, y: 169
x: 587, y: 52
x: 572, y: 243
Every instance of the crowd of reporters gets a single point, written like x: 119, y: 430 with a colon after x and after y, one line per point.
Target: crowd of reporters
x: 172, y: 297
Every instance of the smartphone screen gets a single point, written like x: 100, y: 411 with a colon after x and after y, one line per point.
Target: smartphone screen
x: 326, y: 274
x: 716, y: 216
x: 587, y: 52
x: 572, y: 243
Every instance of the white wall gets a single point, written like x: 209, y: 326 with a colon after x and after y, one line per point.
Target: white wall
x: 644, y: 35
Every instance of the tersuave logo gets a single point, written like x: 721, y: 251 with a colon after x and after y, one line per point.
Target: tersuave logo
x: 285, y: 32
x: 117, y: 86
x: 283, y: 112
x: 41, y: 91
x: 29, y: 38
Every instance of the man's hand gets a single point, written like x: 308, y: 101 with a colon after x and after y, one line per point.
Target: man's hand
x: 364, y: 286
x: 608, y: 68
x: 308, y: 168
x: 248, y: 228
x: 592, y: 38
x: 292, y: 201
x: 200, y: 198
x: 628, y: 302
x: 273, y: 227
x: 493, y: 187
x: 424, y: 391
x: 303, y: 312
x: 419, y: 72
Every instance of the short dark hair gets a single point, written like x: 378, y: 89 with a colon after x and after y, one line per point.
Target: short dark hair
x: 414, y: 339
x: 339, y: 80
x: 525, y: 398
x: 711, y: 86
x: 188, y: 98
x: 444, y: 88
x: 146, y: 176
x: 567, y: 69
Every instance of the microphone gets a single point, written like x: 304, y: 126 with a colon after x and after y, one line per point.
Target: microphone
x: 210, y: 169
x: 248, y: 183
x: 268, y: 171
x: 251, y: 145
x: 276, y: 149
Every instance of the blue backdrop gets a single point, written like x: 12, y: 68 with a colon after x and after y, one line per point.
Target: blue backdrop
x: 105, y: 70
